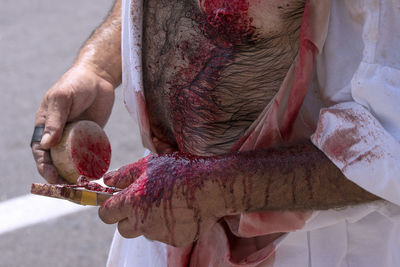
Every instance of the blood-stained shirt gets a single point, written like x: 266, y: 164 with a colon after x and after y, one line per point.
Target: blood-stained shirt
x: 343, y: 92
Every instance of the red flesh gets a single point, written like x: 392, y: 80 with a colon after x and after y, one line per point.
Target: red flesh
x: 90, y: 154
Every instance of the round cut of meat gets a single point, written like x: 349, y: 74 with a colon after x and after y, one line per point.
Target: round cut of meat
x: 84, y: 149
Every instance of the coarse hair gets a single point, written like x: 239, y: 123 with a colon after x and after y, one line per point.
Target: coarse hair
x: 232, y: 88
x: 247, y: 84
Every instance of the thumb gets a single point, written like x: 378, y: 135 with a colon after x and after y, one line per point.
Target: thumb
x: 126, y: 175
x: 58, y: 109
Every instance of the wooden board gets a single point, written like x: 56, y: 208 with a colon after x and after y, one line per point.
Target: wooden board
x: 79, y: 195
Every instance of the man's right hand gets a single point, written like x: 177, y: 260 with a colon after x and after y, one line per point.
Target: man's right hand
x: 80, y: 94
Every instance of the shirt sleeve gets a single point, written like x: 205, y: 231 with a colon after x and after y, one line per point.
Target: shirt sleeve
x: 355, y: 141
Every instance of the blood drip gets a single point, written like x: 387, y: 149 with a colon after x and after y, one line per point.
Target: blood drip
x: 182, y: 174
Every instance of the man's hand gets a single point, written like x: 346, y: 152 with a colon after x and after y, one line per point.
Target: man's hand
x: 80, y: 94
x: 175, y: 197
x: 85, y: 92
x: 168, y: 198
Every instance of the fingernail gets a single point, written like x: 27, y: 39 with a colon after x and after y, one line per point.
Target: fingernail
x: 45, y: 140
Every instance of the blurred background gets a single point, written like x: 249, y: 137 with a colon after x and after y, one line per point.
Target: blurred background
x: 39, y: 40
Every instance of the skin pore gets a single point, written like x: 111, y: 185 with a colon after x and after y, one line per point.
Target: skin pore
x: 204, y: 85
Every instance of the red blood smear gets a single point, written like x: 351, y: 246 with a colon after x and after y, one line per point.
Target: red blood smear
x: 91, y: 155
x: 84, y: 182
x: 170, y: 177
x: 170, y: 173
x: 193, y: 105
x: 226, y: 24
x: 126, y: 175
x: 181, y: 174
x: 341, y: 145
x: 228, y: 20
x: 303, y: 73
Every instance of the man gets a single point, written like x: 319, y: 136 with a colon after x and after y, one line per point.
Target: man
x: 219, y: 88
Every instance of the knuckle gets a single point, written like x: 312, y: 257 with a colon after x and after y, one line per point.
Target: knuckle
x: 103, y: 215
x: 124, y: 234
x: 44, y: 158
x: 58, y: 94
x: 40, y: 167
x: 110, y: 176
x: 62, y: 95
x: 124, y: 231
x: 40, y: 161
x: 36, y: 151
x: 54, y: 129
x: 35, y: 147
x: 41, y: 114
x: 48, y: 97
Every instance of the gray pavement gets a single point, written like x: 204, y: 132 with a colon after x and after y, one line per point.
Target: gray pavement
x: 39, y: 40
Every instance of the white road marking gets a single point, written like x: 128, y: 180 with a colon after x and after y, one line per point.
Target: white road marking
x: 27, y: 210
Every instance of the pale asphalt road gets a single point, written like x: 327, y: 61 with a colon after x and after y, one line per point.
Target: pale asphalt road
x: 38, y: 42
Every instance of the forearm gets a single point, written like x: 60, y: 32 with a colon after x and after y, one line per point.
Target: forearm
x: 296, y: 178
x: 191, y: 193
x: 102, y: 51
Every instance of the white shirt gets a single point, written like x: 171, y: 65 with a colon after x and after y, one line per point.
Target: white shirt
x: 357, y: 81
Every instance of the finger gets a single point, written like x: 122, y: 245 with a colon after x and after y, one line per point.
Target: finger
x: 58, y: 108
x: 40, y: 118
x: 42, y: 158
x: 126, y: 175
x: 114, y: 209
x: 44, y: 164
x: 127, y: 228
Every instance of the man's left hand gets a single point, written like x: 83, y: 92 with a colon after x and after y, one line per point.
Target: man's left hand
x: 166, y: 198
